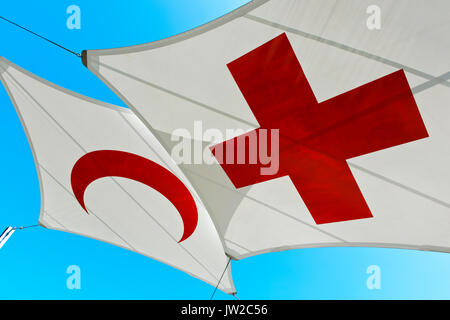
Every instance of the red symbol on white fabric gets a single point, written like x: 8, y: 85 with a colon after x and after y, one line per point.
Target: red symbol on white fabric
x: 111, y: 163
x: 316, y: 139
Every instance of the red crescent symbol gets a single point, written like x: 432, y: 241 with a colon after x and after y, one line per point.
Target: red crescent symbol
x: 111, y: 163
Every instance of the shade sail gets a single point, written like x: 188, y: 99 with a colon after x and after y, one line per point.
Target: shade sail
x: 375, y: 100
x: 103, y: 175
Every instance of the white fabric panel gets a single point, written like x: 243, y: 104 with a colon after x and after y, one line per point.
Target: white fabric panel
x: 174, y: 82
x: 62, y: 127
x: 413, y: 33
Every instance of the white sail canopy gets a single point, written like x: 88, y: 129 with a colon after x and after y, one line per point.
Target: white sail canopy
x: 215, y: 75
x: 104, y: 175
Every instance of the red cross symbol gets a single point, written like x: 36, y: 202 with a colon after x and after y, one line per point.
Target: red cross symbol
x: 316, y: 139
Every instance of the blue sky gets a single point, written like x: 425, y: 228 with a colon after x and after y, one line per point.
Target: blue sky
x: 33, y: 264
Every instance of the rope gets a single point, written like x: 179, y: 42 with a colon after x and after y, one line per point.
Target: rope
x: 229, y: 260
x: 42, y: 37
x: 21, y: 228
x: 10, y: 230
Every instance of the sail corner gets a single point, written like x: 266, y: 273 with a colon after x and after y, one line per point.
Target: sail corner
x: 84, y: 58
